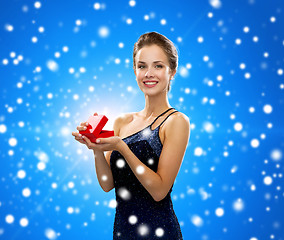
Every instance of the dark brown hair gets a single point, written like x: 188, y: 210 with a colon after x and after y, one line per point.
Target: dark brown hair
x: 154, y: 38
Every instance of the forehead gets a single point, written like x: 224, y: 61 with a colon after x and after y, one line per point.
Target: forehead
x: 151, y: 53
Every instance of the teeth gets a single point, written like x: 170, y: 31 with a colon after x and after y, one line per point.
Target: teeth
x: 150, y: 83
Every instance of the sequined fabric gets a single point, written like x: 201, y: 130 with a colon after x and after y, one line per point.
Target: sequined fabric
x: 138, y: 215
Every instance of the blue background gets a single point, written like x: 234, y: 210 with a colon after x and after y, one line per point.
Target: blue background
x: 230, y: 84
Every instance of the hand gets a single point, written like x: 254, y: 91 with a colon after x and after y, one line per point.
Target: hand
x: 105, y: 144
x: 82, y: 126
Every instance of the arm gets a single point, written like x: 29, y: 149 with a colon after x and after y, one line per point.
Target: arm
x: 104, y: 174
x: 159, y: 183
x: 102, y: 163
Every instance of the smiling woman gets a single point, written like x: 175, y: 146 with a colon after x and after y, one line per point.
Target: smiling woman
x: 145, y: 154
x: 166, y: 48
x: 151, y: 73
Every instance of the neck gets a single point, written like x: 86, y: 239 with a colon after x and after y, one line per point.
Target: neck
x: 155, y: 105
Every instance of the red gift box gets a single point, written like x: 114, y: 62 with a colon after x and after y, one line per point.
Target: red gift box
x: 95, y: 126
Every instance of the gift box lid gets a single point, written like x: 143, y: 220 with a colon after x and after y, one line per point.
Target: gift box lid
x: 96, y: 124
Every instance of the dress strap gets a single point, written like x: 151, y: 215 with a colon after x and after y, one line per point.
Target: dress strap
x: 167, y: 117
x: 161, y: 115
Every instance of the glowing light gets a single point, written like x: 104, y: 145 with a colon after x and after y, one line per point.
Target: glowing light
x: 103, y: 32
x: 112, y: 203
x: 97, y: 6
x: 13, y: 142
x: 9, y: 27
x: 41, y: 166
x: 215, y: 3
x: 238, y: 205
x: 42, y: 156
x: 200, y: 39
x: 253, y: 187
x: 52, y: 65
x: 26, y: 192
x: 254, y: 143
x: 183, y: 72
x: 267, y: 109
x: 37, y: 4
x: 151, y: 161
x: 21, y: 174
x: 143, y: 230
x: 159, y: 232
x: 132, y: 3
x: 267, y: 180
x: 24, y: 222
x: 71, y: 184
x: 50, y: 234
x: 208, y: 127
x: 219, y: 212
x: 132, y: 219
x: 276, y: 154
x: 3, y: 128
x: 140, y: 169
x: 120, y: 163
x: 163, y: 22
x: 197, y: 220
x: 198, y: 151
x: 146, y: 132
x: 238, y: 126
x: 9, y: 219
x: 124, y: 193
x: 70, y: 210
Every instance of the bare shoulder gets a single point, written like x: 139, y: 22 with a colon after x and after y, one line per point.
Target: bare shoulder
x: 121, y: 120
x: 178, y: 118
x: 177, y: 122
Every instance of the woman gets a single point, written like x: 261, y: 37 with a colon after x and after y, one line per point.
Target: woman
x: 142, y: 164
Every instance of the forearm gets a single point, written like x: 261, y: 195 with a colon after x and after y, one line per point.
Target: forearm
x: 103, y: 171
x: 151, y: 181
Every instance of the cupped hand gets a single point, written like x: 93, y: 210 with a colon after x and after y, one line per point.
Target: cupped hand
x: 104, y: 144
x: 82, y: 127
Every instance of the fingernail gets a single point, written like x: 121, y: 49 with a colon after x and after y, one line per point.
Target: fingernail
x: 98, y: 140
x: 80, y: 135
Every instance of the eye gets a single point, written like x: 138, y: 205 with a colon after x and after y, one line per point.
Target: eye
x: 159, y: 66
x: 141, y: 66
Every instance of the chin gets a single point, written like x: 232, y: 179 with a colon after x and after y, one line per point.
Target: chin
x: 154, y: 93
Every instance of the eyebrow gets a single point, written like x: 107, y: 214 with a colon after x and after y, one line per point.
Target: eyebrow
x: 154, y: 62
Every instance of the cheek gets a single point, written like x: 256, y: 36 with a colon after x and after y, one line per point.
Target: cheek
x: 140, y: 74
x: 164, y: 74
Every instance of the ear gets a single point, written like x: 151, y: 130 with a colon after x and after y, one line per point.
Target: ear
x: 173, y: 73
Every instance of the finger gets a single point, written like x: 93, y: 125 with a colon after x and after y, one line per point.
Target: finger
x: 84, y: 124
x: 80, y: 140
x: 76, y: 134
x: 81, y: 128
x: 88, y: 141
x: 100, y: 140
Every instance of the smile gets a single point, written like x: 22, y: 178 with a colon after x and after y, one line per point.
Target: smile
x: 150, y: 84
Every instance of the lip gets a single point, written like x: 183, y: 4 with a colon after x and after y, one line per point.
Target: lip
x: 150, y: 86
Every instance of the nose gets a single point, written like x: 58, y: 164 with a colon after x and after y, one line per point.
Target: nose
x: 149, y: 73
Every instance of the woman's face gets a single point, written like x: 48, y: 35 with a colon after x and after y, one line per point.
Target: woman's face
x: 152, y: 70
